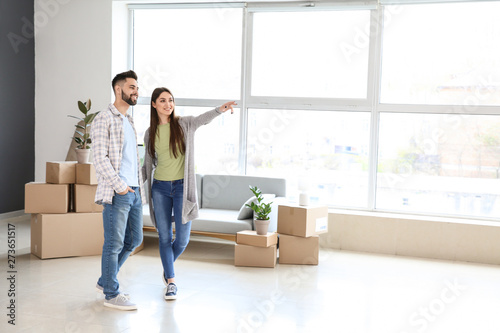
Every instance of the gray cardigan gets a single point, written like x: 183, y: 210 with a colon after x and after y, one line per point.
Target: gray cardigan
x: 189, y: 126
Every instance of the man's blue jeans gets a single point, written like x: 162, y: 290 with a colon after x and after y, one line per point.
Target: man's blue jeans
x: 167, y: 197
x: 122, y: 221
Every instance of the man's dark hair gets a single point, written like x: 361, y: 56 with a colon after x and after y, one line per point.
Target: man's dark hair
x: 122, y: 77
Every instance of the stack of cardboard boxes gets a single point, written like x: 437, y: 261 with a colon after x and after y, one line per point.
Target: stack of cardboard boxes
x: 298, y: 230
x: 255, y: 250
x: 65, y: 221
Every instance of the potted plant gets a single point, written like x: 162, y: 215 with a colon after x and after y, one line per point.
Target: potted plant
x: 82, y: 135
x: 262, y: 211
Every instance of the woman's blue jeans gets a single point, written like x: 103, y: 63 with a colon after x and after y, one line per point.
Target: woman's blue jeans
x: 167, y: 198
x: 122, y: 222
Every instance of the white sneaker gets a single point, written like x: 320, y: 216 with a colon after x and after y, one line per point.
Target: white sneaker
x: 120, y: 302
x: 101, y: 290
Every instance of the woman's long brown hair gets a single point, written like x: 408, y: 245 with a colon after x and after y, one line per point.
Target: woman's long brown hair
x: 176, y: 142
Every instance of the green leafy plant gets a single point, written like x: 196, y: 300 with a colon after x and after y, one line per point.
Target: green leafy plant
x: 261, y: 209
x: 82, y: 136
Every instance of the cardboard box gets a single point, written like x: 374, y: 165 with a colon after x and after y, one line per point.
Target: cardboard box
x: 60, y: 172
x: 303, y: 221
x: 254, y: 256
x: 66, y: 235
x: 250, y: 237
x: 299, y: 250
x: 46, y: 198
x: 85, y: 174
x: 84, y: 199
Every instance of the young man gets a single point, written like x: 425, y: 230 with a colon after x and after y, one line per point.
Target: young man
x: 119, y: 189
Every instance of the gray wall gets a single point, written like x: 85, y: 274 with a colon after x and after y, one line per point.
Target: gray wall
x: 17, y: 102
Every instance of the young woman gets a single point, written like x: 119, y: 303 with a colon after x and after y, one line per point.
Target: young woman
x: 169, y: 169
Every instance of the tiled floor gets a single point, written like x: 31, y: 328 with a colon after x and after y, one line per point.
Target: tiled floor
x: 347, y: 292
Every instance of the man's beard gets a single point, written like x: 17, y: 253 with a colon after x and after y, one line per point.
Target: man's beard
x: 128, y: 99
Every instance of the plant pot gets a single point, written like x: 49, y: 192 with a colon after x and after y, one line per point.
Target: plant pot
x: 82, y: 155
x: 261, y: 226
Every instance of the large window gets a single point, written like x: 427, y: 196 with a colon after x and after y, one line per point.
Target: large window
x: 376, y: 106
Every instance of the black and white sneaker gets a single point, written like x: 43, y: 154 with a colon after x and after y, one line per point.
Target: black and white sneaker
x: 171, y: 292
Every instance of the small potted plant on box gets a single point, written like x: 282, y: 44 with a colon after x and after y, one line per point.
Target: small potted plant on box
x: 262, y: 211
x: 82, y: 135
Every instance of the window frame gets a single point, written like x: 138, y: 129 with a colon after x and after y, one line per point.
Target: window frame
x: 370, y: 104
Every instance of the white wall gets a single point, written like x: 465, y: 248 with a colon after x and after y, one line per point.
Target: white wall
x: 72, y: 62
x: 415, y: 236
x: 121, y: 42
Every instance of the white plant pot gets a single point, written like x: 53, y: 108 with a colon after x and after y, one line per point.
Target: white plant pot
x: 82, y: 155
x: 261, y: 226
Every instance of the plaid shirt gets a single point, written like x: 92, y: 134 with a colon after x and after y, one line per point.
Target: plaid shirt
x: 107, y: 145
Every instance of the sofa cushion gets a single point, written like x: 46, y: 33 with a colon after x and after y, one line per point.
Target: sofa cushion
x: 146, y: 219
x: 221, y: 221
x: 212, y: 220
x: 246, y: 212
x: 230, y: 192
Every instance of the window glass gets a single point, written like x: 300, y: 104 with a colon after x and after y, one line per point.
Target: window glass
x: 328, y: 151
x: 439, y: 163
x: 197, y: 51
x: 445, y: 54
x: 313, y: 54
x: 141, y: 114
x: 216, y: 143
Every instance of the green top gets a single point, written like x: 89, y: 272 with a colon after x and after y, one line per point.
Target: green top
x: 168, y: 168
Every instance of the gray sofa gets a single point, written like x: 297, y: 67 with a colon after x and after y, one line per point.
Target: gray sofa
x: 221, y: 199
